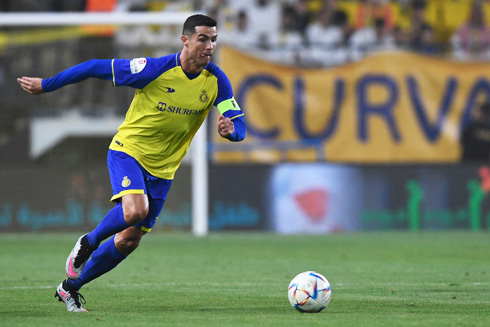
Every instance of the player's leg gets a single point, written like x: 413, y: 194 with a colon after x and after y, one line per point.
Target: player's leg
x: 109, y: 255
x: 103, y: 260
x: 132, y: 209
x: 128, y: 240
x: 112, y: 252
x: 128, y: 184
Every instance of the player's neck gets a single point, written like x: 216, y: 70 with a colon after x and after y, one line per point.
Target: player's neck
x: 188, y: 65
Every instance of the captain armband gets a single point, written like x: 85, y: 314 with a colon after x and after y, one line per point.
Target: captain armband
x: 230, y: 106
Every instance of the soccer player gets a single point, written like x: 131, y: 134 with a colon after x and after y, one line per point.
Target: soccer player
x: 173, y: 96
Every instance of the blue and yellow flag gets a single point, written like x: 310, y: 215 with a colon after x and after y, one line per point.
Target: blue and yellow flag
x: 395, y: 107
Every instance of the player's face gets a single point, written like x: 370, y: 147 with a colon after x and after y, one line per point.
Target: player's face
x: 201, y: 45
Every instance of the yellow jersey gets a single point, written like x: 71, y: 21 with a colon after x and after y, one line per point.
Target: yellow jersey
x: 168, y: 108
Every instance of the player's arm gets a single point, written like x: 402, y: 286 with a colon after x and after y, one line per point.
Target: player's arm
x: 98, y: 68
x: 231, y: 124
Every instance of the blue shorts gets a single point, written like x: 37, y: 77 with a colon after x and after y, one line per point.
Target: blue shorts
x: 129, y: 177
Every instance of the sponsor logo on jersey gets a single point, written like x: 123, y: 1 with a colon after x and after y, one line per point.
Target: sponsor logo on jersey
x: 163, y: 107
x: 168, y: 89
x: 137, y: 65
x: 126, y: 182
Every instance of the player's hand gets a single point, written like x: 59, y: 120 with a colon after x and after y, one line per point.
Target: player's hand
x: 225, y: 126
x: 32, y: 85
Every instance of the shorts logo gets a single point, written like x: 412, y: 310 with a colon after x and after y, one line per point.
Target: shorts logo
x: 126, y: 182
x: 203, y: 97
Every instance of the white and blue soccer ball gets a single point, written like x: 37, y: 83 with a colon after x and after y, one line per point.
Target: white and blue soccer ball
x: 309, y: 291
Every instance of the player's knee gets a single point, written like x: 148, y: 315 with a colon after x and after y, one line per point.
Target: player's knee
x: 135, y: 209
x: 134, y: 215
x: 127, y: 245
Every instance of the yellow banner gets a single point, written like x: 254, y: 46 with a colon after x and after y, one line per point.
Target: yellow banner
x: 388, y: 108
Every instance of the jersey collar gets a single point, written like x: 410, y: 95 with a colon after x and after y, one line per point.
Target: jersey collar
x: 189, y: 75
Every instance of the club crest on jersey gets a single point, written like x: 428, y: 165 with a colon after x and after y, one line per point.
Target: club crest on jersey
x: 126, y: 182
x: 137, y: 65
x: 203, y: 97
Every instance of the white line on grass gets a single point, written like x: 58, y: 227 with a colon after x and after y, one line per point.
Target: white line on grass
x: 6, y: 288
x: 26, y: 287
x: 184, y: 284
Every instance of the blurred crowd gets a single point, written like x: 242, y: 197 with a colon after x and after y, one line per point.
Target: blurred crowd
x: 311, y: 32
x: 332, y: 32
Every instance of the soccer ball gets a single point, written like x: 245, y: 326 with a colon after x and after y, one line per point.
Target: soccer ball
x: 309, y: 291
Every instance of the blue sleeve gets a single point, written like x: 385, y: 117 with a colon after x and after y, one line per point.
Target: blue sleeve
x: 227, y: 106
x: 99, y: 68
x: 225, y: 90
x: 139, y: 72
x: 240, y: 127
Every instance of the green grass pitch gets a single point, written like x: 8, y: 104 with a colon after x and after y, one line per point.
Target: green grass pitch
x: 378, y: 279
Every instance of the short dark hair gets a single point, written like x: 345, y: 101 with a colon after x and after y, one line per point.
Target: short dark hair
x: 197, y: 20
